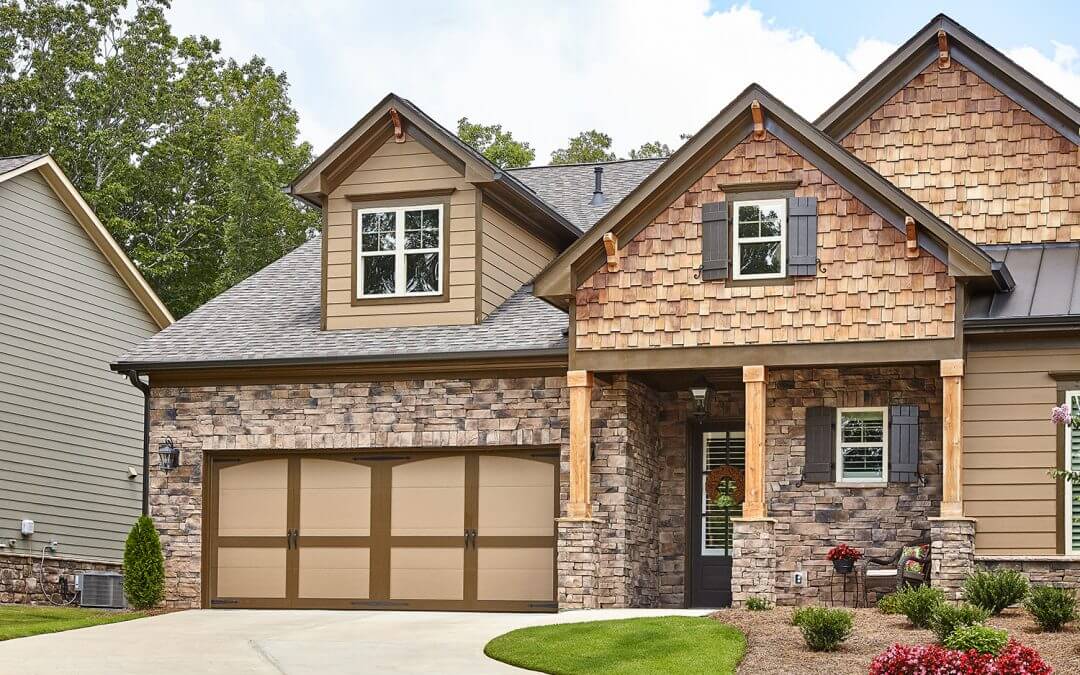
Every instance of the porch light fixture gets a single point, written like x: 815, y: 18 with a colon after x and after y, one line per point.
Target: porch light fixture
x: 168, y: 455
x: 700, y: 396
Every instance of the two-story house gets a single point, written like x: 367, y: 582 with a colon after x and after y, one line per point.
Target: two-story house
x: 525, y: 389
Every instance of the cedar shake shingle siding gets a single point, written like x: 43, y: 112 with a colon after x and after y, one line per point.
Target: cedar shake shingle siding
x: 975, y: 158
x: 869, y: 290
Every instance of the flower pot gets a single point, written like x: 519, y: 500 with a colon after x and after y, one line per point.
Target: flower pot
x: 843, y: 566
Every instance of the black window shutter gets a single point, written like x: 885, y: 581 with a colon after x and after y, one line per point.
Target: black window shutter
x: 714, y: 241
x: 820, y: 445
x: 903, y: 443
x: 802, y: 236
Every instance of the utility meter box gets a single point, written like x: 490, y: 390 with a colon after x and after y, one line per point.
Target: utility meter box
x: 27, y: 528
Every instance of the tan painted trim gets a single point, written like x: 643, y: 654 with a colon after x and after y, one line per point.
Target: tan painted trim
x: 85, y: 216
x: 821, y: 354
x: 478, y: 255
x: 325, y: 246
x: 388, y: 197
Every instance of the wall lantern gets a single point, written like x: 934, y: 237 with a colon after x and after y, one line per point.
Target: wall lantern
x: 169, y: 455
x: 700, y: 397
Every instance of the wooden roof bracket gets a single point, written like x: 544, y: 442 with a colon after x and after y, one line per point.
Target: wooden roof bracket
x: 399, y: 131
x: 943, y: 59
x: 759, y: 120
x: 611, y: 247
x: 912, y: 237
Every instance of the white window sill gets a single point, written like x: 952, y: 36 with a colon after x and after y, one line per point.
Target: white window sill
x: 861, y: 484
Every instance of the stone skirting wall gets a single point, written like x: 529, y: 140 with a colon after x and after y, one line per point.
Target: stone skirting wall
x: 21, y: 577
x: 953, y: 556
x: 579, y: 564
x: 753, y: 565
x: 1040, y: 570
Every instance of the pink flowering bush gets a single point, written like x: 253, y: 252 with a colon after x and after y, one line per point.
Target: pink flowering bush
x: 1016, y: 659
x: 1060, y: 414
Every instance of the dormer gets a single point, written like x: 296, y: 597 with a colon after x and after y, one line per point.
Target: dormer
x: 419, y: 229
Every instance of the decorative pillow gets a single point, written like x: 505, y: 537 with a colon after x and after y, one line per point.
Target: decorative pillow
x: 914, y: 558
x: 913, y: 567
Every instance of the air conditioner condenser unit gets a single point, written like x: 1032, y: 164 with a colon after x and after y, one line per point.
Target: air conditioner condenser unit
x: 102, y: 589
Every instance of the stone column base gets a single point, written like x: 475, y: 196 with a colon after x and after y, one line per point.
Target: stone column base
x: 953, y: 553
x: 579, y: 563
x: 753, y: 564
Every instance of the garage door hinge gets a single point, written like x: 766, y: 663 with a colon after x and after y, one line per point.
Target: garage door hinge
x: 219, y: 601
x: 379, y: 603
x: 544, y: 605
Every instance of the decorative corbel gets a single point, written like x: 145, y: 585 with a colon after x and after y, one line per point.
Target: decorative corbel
x: 943, y: 59
x: 759, y: 120
x: 399, y: 131
x: 912, y: 237
x: 611, y: 247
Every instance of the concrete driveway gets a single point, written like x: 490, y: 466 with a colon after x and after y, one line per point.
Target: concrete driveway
x: 290, y: 642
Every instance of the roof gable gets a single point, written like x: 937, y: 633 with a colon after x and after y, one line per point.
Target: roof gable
x: 727, y: 129
x: 970, y: 51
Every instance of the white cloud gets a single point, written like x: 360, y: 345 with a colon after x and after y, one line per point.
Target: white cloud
x: 1062, y: 71
x: 638, y: 71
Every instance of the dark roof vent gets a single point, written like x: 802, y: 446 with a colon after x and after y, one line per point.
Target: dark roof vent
x: 598, y: 189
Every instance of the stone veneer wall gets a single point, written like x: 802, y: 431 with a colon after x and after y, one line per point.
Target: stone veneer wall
x: 1040, y: 570
x: 20, y: 574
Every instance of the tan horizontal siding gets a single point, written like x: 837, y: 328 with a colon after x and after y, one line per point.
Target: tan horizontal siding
x: 1010, y: 446
x: 511, y: 258
x: 69, y: 427
x: 402, y: 168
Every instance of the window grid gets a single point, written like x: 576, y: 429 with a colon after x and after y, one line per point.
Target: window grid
x: 392, y: 236
x: 863, y: 456
x: 756, y: 239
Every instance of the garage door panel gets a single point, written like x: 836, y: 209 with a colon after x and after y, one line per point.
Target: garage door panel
x: 335, y: 498
x: 253, y: 499
x: 516, y: 497
x: 333, y: 572
x: 515, y: 574
x: 427, y: 573
x: 251, y: 572
x: 428, y: 498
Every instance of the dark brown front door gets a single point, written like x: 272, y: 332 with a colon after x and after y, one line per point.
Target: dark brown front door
x: 718, y: 449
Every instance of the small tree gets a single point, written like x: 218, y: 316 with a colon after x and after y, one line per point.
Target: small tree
x: 144, y: 566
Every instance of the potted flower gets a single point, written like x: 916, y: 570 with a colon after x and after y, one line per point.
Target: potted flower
x: 843, y: 557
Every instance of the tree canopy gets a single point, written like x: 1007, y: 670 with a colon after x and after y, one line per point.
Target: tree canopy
x: 651, y: 150
x: 586, y: 147
x: 181, y: 152
x: 497, y: 145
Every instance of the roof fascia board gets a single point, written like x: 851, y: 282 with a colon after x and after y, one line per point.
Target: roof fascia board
x: 88, y: 220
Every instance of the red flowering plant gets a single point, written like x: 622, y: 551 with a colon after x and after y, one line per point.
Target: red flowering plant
x: 843, y: 552
x: 1015, y: 659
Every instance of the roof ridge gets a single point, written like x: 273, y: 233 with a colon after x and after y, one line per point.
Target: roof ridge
x: 575, y: 164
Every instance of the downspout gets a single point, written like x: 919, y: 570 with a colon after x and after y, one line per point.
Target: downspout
x: 145, y: 389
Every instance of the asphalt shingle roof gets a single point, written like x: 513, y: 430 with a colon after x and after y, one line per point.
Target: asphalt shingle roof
x: 274, y: 315
x: 12, y: 163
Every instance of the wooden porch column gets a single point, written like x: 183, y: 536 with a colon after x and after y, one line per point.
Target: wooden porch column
x: 952, y: 465
x: 754, y: 503
x: 580, y: 384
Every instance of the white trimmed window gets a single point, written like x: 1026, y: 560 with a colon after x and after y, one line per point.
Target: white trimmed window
x: 1072, y: 493
x: 760, y: 239
x: 862, y: 445
x: 399, y: 251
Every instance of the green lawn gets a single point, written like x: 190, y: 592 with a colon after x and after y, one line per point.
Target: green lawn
x: 666, y: 644
x: 22, y: 620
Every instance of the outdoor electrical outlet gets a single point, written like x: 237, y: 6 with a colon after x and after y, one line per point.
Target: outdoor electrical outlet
x: 798, y: 578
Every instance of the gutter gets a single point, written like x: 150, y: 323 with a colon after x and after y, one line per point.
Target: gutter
x: 1028, y: 323
x: 133, y: 376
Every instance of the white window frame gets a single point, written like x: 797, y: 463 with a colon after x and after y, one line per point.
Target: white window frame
x: 737, y: 241
x: 399, y: 252
x: 840, y: 445
x: 1071, y: 547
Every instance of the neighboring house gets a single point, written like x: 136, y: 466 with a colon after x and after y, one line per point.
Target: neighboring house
x: 487, y: 389
x: 71, y: 431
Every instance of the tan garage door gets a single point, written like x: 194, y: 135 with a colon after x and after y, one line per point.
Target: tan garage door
x: 456, y: 531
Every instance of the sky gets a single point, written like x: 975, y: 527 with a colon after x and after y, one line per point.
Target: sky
x: 638, y: 71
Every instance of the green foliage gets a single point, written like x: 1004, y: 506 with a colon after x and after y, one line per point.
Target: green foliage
x: 889, y: 604
x: 983, y: 639
x: 994, y: 590
x: 947, y: 618
x: 756, y: 604
x: 918, y: 603
x: 18, y: 621
x: 144, y: 566
x: 497, y: 145
x: 586, y: 147
x: 655, y: 149
x: 180, y: 152
x: 823, y: 628
x: 800, y: 614
x: 1051, y: 607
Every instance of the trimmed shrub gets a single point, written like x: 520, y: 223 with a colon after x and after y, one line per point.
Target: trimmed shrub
x: 934, y: 660
x: 994, y: 590
x: 144, y: 566
x: 1051, y: 607
x: 983, y: 639
x: 889, y: 604
x: 919, y: 603
x: 824, y: 629
x: 756, y: 604
x: 799, y: 614
x: 947, y: 618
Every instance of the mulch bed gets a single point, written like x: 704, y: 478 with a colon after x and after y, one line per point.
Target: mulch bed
x: 775, y: 647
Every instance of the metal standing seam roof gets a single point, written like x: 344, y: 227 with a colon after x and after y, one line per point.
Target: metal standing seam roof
x: 1047, y: 286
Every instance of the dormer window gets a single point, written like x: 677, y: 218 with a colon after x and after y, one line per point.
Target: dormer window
x: 399, y: 252
x: 759, y: 241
